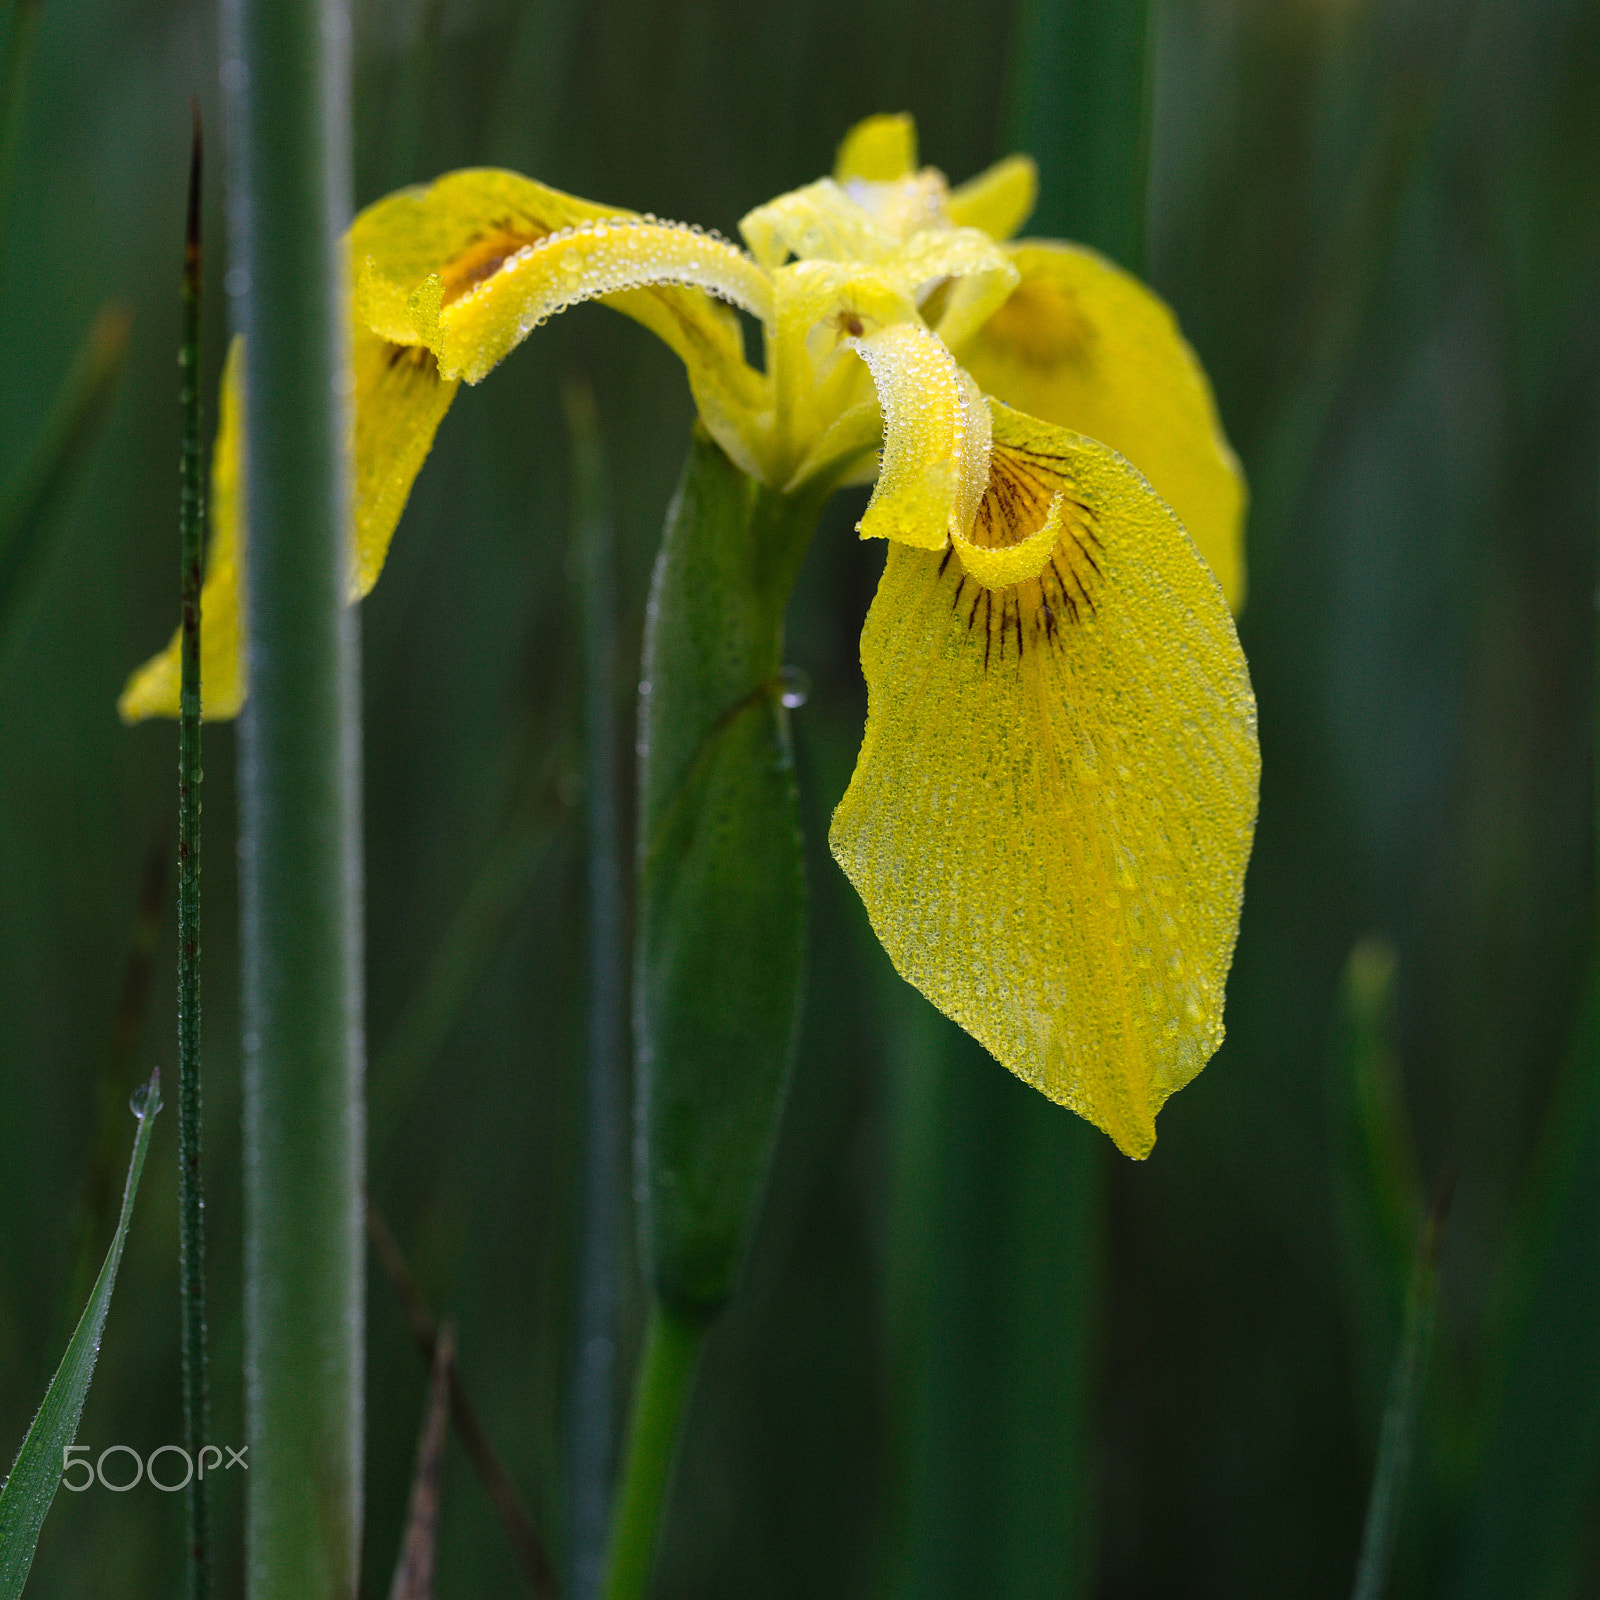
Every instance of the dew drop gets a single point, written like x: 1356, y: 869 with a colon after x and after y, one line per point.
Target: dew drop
x: 794, y: 687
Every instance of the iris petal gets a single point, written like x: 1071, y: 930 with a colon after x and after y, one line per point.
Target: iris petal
x: 1082, y: 344
x: 1053, y: 806
x: 878, y: 149
x: 936, y: 431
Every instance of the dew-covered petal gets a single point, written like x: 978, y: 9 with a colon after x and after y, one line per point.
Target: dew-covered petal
x: 970, y: 274
x: 878, y: 149
x: 470, y: 264
x: 817, y: 223
x: 936, y: 430
x: 1053, y: 806
x: 999, y: 200
x: 1082, y: 344
x: 153, y: 689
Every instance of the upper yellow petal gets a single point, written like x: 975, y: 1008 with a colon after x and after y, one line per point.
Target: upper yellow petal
x: 878, y: 149
x: 153, y: 689
x: 1082, y: 344
x: 999, y: 200
x: 1052, y: 810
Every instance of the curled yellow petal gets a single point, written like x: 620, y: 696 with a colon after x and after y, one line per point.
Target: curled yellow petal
x: 999, y: 200
x: 484, y: 321
x: 418, y: 256
x: 1053, y: 806
x: 1082, y: 344
x: 153, y: 689
x: 878, y: 149
x: 936, y: 431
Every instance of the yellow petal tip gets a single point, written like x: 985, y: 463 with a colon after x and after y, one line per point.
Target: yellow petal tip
x: 878, y: 149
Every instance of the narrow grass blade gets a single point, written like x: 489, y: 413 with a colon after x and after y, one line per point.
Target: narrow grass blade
x: 1536, y: 1498
x: 29, y: 1490
x: 191, y: 1179
x: 491, y: 1471
x: 1400, y: 1418
x: 600, y: 1277
x: 401, y: 1066
x: 57, y: 459
x: 413, y: 1573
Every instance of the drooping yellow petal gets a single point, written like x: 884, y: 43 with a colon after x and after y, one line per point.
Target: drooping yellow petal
x: 1082, y: 344
x: 1052, y: 810
x: 153, y: 689
x: 936, y: 431
x: 878, y: 149
x: 399, y: 402
x: 468, y: 265
x: 999, y: 200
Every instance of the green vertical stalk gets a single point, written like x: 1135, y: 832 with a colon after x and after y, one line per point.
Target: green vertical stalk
x: 285, y: 72
x: 666, y: 1374
x: 191, y: 1182
x: 600, y: 1256
x: 998, y: 1200
x: 1079, y: 99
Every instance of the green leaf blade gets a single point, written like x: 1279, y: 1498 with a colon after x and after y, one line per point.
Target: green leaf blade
x: 27, y: 1494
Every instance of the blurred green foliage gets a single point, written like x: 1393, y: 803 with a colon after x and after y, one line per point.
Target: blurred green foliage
x: 975, y: 1352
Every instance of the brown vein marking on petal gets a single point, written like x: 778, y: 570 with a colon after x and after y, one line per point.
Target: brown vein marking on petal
x: 486, y: 253
x: 1023, y: 484
x: 420, y: 358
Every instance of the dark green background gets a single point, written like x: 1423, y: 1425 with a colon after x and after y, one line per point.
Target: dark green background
x: 976, y: 1353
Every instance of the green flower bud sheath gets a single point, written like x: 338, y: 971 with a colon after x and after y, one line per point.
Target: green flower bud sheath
x: 721, y: 932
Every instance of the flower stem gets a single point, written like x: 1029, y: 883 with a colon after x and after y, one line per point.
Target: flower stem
x: 285, y: 73
x: 593, y: 1449
x: 671, y: 1349
x: 191, y: 1183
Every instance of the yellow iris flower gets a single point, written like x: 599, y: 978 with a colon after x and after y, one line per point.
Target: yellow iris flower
x: 1053, y: 806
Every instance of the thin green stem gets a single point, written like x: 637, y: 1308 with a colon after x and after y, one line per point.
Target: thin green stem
x: 666, y: 1374
x: 30, y: 524
x: 1399, y: 1431
x: 191, y: 1180
x: 285, y: 71
x: 600, y: 1255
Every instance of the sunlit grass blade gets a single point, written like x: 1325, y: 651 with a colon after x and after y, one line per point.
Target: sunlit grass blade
x: 1398, y: 1437
x: 594, y: 1381
x: 30, y: 525
x: 531, y: 1557
x: 36, y: 1473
